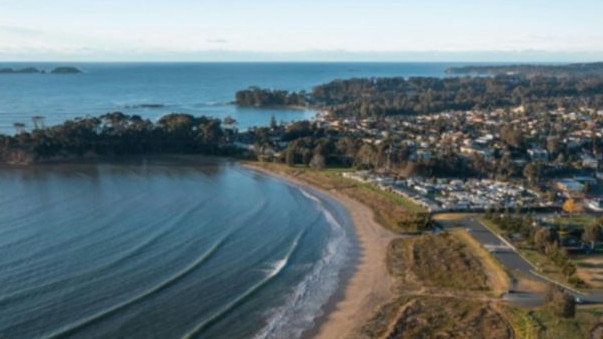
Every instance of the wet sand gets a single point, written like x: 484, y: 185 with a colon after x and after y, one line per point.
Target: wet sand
x: 370, y: 284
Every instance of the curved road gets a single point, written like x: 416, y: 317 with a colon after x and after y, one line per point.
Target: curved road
x: 512, y: 261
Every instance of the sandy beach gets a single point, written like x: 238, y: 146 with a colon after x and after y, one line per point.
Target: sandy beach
x: 370, y: 285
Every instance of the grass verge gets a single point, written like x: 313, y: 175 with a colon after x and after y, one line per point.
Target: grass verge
x: 389, y: 209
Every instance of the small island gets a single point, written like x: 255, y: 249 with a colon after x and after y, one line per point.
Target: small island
x: 34, y: 70
x: 27, y: 70
x: 66, y: 70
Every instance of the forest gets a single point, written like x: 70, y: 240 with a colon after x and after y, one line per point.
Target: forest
x: 423, y: 95
x: 580, y: 69
x: 114, y: 134
x: 257, y: 97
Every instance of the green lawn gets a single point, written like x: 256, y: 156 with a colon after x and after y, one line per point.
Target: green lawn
x: 578, y: 327
x: 575, y: 221
x: 491, y: 225
x: 406, y: 203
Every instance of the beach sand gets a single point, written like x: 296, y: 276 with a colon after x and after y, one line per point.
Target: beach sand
x: 370, y: 285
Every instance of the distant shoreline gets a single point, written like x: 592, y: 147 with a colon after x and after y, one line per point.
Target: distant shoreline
x: 370, y: 283
x: 34, y: 70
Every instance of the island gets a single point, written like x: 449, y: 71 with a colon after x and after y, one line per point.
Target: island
x: 27, y: 70
x: 34, y: 70
x: 66, y: 70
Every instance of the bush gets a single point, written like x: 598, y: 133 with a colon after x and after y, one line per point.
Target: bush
x: 560, y: 303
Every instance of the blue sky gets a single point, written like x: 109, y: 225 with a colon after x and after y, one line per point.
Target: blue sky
x: 329, y: 29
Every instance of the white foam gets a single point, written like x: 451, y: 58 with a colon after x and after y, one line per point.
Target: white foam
x: 277, y: 267
x: 311, y: 197
x: 306, y: 302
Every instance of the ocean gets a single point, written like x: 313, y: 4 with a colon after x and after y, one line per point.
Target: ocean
x: 166, y: 246
x: 195, y: 88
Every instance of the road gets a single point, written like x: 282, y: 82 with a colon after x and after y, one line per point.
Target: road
x: 512, y: 261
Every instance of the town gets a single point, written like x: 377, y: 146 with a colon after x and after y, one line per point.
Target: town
x: 497, y: 159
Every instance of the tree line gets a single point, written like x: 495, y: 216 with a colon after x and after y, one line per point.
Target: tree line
x: 258, y: 97
x: 115, y: 134
x: 364, y: 97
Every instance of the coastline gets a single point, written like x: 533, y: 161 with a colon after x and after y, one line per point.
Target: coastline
x: 369, y: 285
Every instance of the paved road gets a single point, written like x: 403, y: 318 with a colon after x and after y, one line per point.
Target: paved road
x: 512, y: 261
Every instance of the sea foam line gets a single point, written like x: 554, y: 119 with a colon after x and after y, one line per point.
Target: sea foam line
x: 306, y: 302
x: 70, y: 328
x: 310, y: 196
x: 278, y: 266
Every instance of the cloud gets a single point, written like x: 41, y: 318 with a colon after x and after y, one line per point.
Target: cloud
x: 216, y: 41
x: 21, y: 30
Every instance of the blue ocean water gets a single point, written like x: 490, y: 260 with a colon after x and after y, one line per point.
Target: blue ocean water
x: 164, y: 248
x: 167, y: 247
x: 195, y: 88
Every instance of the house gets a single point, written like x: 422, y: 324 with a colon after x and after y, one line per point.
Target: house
x: 570, y: 186
x: 538, y: 154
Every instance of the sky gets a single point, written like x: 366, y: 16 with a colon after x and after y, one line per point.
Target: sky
x: 329, y: 30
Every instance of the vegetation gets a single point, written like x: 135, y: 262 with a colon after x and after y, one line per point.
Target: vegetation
x: 257, y: 97
x: 391, y: 211
x: 27, y: 70
x: 438, y: 261
x: 365, y: 97
x: 545, y: 240
x: 434, y: 317
x: 560, y: 303
x: 582, y: 69
x: 444, y: 285
x: 585, y: 324
x: 115, y: 134
x: 33, y: 70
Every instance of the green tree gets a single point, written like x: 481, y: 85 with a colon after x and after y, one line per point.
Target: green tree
x: 273, y: 124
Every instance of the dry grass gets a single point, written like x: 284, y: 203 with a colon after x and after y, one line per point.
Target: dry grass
x: 442, y: 261
x: 581, y: 326
x: 528, y: 283
x: 445, y: 282
x: 498, y: 279
x: 452, y: 216
x: 590, y: 269
x: 433, y: 317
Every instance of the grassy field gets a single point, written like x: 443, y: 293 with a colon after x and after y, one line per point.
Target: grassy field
x: 581, y: 326
x: 435, y: 317
x: 445, y: 261
x: 447, y: 285
x: 573, y: 221
x: 540, y: 323
x: 404, y: 202
x: 590, y: 269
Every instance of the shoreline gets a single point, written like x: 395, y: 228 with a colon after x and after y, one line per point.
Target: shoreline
x: 368, y: 285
